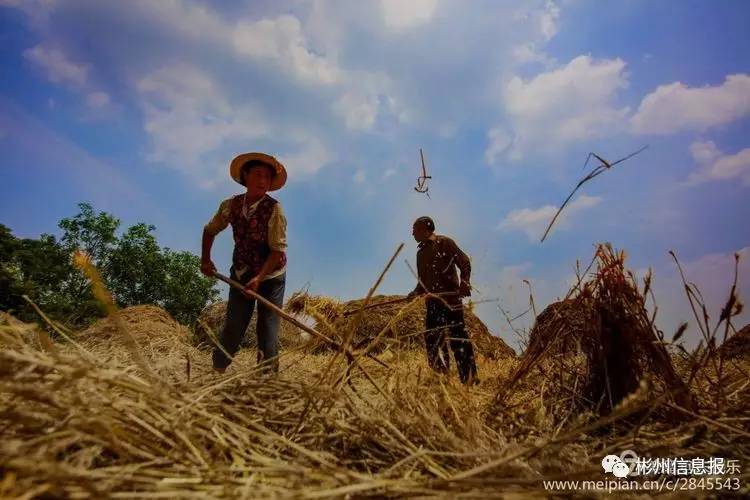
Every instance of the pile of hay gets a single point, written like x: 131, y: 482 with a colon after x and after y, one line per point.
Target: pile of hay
x: 144, y: 322
x: 738, y: 345
x: 137, y: 334
x: 212, y: 317
x: 27, y: 330
x: 73, y: 425
x: 147, y: 324
x: 78, y: 424
x: 83, y: 427
x: 597, y: 347
x: 398, y: 325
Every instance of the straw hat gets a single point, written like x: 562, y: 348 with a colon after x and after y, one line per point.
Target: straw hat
x: 279, y: 178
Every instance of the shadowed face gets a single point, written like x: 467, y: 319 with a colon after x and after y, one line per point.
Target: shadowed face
x: 420, y: 232
x: 258, y: 180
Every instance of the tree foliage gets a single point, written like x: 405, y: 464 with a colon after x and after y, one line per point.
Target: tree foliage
x: 134, y: 267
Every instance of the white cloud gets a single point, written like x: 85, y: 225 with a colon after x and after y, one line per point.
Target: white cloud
x: 571, y: 103
x: 400, y: 14
x: 309, y: 155
x: 704, y: 151
x: 282, y: 41
x: 97, y: 99
x: 390, y: 172
x: 676, y: 107
x: 190, y: 111
x: 331, y: 49
x: 188, y: 116
x: 37, y: 10
x: 530, y: 51
x: 59, y: 68
x: 359, y: 111
x: 526, y: 53
x: 548, y: 20
x: 715, y: 166
x: 533, y: 221
x: 499, y: 141
x: 185, y: 17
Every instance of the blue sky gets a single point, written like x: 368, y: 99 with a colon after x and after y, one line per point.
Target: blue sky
x: 138, y: 107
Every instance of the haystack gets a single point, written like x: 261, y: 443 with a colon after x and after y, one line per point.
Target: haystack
x: 24, y: 330
x: 598, y: 346
x: 213, y: 316
x: 146, y: 323
x: 738, y: 345
x: 145, y: 335
x: 401, y: 323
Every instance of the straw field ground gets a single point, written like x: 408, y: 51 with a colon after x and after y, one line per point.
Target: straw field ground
x: 130, y: 408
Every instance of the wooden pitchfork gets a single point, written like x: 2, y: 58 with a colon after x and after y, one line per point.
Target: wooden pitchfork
x: 291, y: 319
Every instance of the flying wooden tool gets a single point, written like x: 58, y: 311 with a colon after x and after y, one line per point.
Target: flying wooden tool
x: 421, y: 186
x: 605, y: 165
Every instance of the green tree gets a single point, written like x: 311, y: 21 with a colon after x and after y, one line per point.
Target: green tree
x: 186, y: 290
x: 40, y: 269
x: 136, y: 268
x: 140, y: 272
x: 11, y: 288
x: 96, y: 234
x: 133, y: 266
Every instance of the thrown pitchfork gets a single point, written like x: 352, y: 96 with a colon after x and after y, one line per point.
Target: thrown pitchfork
x: 421, y: 186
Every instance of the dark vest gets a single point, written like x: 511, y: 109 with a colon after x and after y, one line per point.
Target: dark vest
x: 251, y: 235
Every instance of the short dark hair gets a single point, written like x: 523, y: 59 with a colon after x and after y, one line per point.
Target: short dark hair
x: 250, y: 164
x: 428, y: 222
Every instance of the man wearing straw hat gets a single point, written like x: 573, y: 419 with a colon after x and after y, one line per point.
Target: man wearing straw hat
x: 437, y: 260
x: 259, y: 257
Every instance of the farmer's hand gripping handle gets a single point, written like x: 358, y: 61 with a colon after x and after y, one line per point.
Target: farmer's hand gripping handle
x: 208, y: 268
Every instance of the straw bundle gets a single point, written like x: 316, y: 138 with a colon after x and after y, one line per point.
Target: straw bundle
x: 599, y: 346
x: 144, y: 322
x: 318, y: 306
x: 399, y: 325
x: 738, y: 345
x: 211, y: 322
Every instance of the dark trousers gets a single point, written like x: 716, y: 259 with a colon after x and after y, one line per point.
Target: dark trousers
x: 240, y: 310
x: 442, y: 318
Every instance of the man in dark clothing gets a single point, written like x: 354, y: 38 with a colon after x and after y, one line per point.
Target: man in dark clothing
x: 437, y: 260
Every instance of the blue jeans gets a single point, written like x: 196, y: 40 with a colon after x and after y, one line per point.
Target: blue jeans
x: 240, y: 310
